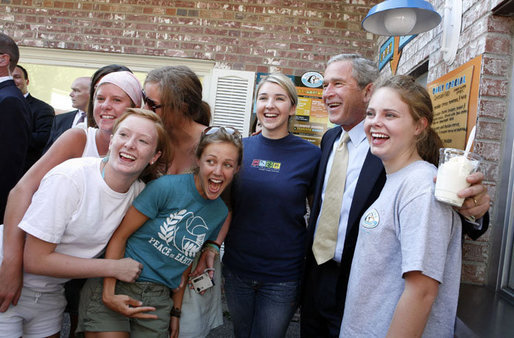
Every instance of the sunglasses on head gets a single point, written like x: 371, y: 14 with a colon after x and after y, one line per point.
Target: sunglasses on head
x: 150, y: 103
x: 214, y: 129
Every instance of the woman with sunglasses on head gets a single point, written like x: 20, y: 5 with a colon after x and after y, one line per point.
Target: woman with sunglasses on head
x: 407, y: 238
x: 166, y: 226
x: 115, y: 93
x: 175, y: 93
x: 92, y: 196
x: 265, y: 246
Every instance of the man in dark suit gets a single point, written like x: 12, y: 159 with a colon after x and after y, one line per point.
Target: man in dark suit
x: 42, y: 117
x: 15, y: 122
x: 347, y: 88
x: 79, y: 99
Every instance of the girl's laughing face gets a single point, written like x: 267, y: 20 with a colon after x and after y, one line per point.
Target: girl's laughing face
x: 217, y: 166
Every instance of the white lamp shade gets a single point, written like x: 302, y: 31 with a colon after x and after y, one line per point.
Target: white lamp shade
x: 401, y: 17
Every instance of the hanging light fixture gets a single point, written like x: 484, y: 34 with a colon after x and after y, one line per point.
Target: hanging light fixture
x: 401, y: 17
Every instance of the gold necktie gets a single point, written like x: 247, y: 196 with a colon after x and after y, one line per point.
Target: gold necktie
x: 326, y: 233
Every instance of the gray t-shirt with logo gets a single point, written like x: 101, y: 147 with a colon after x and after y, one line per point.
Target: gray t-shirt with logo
x: 406, y: 229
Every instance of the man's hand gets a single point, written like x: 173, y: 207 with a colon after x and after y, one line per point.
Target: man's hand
x: 477, y: 200
x: 11, y: 283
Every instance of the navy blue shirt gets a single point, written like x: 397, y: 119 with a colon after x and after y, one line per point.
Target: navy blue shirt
x: 266, y: 240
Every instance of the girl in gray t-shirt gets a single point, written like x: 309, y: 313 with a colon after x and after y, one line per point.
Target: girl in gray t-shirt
x: 405, y: 273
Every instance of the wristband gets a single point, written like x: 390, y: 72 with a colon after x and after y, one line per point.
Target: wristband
x: 211, y: 249
x: 210, y: 245
x: 213, y: 243
x: 175, y: 312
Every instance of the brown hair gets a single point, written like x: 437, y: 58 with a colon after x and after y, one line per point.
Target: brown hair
x: 420, y: 106
x: 181, y: 93
x: 160, y: 167
x: 221, y: 135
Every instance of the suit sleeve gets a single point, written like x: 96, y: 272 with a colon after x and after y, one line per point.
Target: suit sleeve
x: 43, y: 121
x: 472, y: 231
x: 54, y: 134
x: 14, y: 141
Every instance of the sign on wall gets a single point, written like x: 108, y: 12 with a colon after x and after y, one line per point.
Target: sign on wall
x: 455, y: 98
x: 391, y: 51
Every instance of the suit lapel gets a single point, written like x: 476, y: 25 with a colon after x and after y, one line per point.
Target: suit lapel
x: 326, y: 151
x: 370, y: 183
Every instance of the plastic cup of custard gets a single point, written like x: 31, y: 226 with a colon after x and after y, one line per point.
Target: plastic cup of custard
x: 454, y: 166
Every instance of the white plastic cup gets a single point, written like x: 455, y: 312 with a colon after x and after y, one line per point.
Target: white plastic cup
x: 454, y: 166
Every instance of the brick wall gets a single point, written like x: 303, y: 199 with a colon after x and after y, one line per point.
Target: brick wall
x: 288, y: 35
x: 254, y: 35
x: 490, y: 36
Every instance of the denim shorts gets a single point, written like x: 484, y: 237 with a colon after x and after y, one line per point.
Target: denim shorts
x: 94, y: 316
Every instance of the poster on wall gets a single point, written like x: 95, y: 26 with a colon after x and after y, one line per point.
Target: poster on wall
x: 311, y: 119
x: 455, y: 98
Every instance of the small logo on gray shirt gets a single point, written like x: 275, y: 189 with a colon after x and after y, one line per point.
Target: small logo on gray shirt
x: 371, y: 219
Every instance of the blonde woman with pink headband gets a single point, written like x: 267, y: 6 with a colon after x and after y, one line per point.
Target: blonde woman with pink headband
x: 114, y: 94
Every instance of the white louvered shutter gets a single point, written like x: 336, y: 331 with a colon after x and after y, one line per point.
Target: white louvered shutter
x: 231, y: 98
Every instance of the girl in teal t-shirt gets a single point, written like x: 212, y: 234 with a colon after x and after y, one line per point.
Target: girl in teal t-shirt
x: 166, y: 226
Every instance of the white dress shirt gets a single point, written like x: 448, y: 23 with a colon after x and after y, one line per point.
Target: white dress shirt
x: 83, y: 124
x: 358, y: 147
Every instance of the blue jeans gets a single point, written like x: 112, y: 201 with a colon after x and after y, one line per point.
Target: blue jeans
x: 260, y: 309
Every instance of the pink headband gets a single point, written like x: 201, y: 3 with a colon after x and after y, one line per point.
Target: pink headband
x: 128, y: 83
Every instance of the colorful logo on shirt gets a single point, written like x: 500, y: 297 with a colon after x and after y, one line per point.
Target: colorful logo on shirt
x: 371, y: 219
x: 187, y: 243
x: 266, y: 165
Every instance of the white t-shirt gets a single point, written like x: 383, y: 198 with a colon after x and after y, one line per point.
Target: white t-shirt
x: 77, y: 210
x: 405, y: 229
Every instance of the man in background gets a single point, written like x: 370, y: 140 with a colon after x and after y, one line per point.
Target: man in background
x: 42, y: 117
x: 15, y: 122
x: 79, y: 98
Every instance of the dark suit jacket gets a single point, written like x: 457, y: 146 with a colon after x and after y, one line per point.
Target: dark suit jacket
x: 369, y: 185
x: 62, y: 122
x: 42, y: 118
x: 15, y: 132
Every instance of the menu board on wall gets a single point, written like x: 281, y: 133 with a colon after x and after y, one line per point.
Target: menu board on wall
x: 311, y: 119
x: 454, y: 98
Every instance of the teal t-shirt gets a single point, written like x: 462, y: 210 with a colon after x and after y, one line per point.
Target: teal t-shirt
x: 180, y: 221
